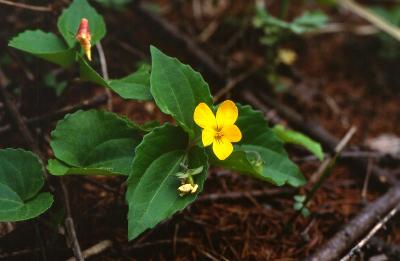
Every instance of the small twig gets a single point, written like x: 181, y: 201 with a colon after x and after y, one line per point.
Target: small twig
x: 181, y: 40
x: 343, y: 142
x: 104, y: 72
x: 40, y: 239
x: 328, y: 165
x: 16, y: 117
x: 95, y: 250
x: 366, y: 180
x: 244, y: 195
x: 19, y: 253
x: 371, y: 233
x: 371, y: 17
x: 208, y: 31
x: 134, y: 51
x: 160, y: 242
x: 353, y: 154
x: 69, y: 224
x: 294, y: 118
x: 99, y: 184
x: 233, y: 82
x: 304, y: 234
x: 26, y: 6
x: 55, y: 115
x: 357, y: 227
x: 329, y: 161
x: 344, y: 27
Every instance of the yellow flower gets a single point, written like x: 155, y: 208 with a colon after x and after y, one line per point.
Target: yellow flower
x: 219, y: 130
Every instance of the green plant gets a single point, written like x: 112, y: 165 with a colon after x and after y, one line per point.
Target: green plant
x: 165, y: 165
x: 51, y: 82
x: 390, y: 47
x: 116, y: 4
x: 276, y: 31
x: 21, y: 179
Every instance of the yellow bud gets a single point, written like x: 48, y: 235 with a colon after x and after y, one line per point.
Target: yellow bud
x: 185, y: 188
x: 287, y: 56
x: 194, y: 188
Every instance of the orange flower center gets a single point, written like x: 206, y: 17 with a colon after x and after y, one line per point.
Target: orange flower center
x: 218, y: 136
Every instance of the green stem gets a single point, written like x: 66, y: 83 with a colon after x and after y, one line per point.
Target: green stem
x: 191, y: 181
x: 284, y: 9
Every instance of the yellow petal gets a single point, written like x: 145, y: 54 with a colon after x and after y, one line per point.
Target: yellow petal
x: 207, y: 136
x: 232, y: 133
x: 204, y: 117
x: 222, y: 148
x: 227, y: 114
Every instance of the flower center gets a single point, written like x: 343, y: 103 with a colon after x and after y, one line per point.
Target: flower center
x: 218, y: 136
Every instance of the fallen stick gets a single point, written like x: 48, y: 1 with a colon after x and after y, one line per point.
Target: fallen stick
x: 27, y: 6
x: 373, y: 231
x: 371, y: 17
x: 358, y: 227
x: 242, y: 195
x: 181, y: 40
x: 94, y: 250
x: 294, y: 118
x: 55, y: 115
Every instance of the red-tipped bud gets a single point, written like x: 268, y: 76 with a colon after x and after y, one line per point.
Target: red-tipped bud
x: 83, y: 37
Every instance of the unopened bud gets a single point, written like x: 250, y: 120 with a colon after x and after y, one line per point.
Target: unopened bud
x: 194, y: 188
x: 187, y: 188
x: 83, y: 37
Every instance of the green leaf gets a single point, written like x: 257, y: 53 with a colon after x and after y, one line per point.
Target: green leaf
x: 152, y: 193
x: 260, y: 153
x: 300, y: 198
x: 263, y: 19
x: 135, y: 86
x: 44, y: 45
x: 89, y: 74
x: 305, y: 212
x: 21, y: 179
x: 255, y: 130
x: 93, y: 143
x: 244, y: 162
x: 51, y: 82
x: 308, y: 21
x: 116, y: 4
x: 177, y: 89
x: 69, y: 20
x: 289, y: 136
x: 297, y: 205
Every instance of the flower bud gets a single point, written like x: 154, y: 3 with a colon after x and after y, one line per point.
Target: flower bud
x: 185, y: 188
x: 194, y: 188
x: 83, y: 37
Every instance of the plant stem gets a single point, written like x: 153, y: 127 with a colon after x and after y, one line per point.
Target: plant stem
x: 284, y: 9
